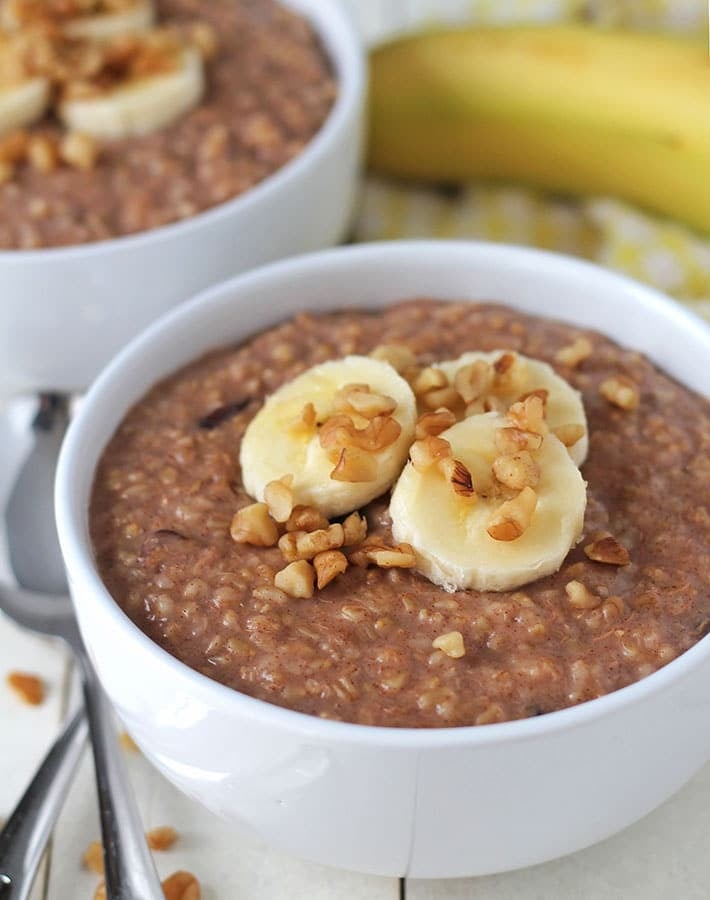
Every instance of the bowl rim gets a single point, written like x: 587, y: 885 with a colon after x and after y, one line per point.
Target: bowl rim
x: 76, y: 547
x: 345, y: 51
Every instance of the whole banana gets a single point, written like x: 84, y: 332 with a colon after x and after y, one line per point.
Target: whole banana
x: 568, y: 108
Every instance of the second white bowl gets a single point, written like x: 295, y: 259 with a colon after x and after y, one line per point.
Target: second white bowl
x: 65, y: 312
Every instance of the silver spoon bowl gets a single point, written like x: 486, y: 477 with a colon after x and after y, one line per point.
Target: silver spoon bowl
x: 129, y: 870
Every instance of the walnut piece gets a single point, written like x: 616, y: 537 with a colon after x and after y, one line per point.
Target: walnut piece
x: 513, y: 517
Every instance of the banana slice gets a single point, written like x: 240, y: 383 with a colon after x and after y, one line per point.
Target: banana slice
x: 22, y: 100
x: 564, y: 409
x: 139, y: 105
x: 342, y: 429
x: 449, y: 526
x: 99, y: 25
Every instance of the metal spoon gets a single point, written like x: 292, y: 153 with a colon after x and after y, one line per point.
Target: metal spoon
x: 129, y: 870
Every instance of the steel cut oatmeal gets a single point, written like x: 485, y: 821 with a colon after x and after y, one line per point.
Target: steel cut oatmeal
x: 377, y: 642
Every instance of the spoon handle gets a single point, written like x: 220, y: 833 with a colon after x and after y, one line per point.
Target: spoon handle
x: 129, y: 869
x: 25, y: 835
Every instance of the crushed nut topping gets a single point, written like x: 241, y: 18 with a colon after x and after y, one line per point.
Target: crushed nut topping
x: 575, y: 353
x: 253, y: 525
x: 306, y: 518
x: 361, y: 400
x: 517, y: 470
x: 451, y: 644
x: 340, y: 432
x: 374, y: 551
x: 528, y: 414
x: 458, y: 476
x: 429, y: 450
x: 354, y: 529
x: 429, y: 379
x: 296, y: 545
x: 398, y: 356
x: 29, y: 688
x: 279, y: 498
x: 433, y: 423
x: 355, y: 465
x: 297, y: 579
x: 328, y: 565
x: 474, y: 380
x: 620, y: 391
x: 513, y: 517
x: 580, y: 597
x: 608, y: 550
x: 512, y: 440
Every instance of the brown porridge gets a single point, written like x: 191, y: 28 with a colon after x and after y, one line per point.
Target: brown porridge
x: 360, y: 649
x: 269, y: 89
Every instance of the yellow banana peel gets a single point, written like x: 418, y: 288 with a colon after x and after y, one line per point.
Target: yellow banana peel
x: 569, y: 108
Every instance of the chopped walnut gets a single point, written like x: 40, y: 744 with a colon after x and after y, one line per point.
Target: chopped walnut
x: 376, y: 553
x: 575, y: 353
x: 620, y: 391
x: 355, y: 465
x: 78, y: 150
x: 397, y: 355
x: 339, y: 432
x: 445, y: 396
x: 161, y: 838
x: 458, y: 476
x: 433, y: 423
x: 517, y: 470
x: 513, y: 517
x: 608, y: 550
x: 569, y: 434
x: 297, y: 579
x: 328, y: 565
x: 93, y: 858
x: 13, y: 146
x: 354, y: 529
x: 127, y: 742
x: 513, y: 440
x: 308, y: 544
x: 528, y: 414
x: 429, y: 379
x: 360, y: 399
x: 429, y: 450
x: 253, y: 525
x: 474, y: 380
x: 306, y: 421
x: 7, y: 171
x: 43, y: 153
x: 181, y: 886
x: 580, y: 597
x: 279, y: 498
x: 306, y: 518
x: 451, y: 644
x: 28, y: 688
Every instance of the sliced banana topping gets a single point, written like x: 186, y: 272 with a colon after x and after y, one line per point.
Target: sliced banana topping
x: 342, y: 429
x: 138, y: 103
x: 97, y: 20
x: 489, y: 505
x: 496, y: 380
x: 23, y: 99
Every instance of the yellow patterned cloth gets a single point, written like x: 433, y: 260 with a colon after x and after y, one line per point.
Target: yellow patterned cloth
x: 658, y: 251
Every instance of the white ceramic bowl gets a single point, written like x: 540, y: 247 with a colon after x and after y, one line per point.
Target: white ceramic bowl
x: 65, y: 312
x: 427, y: 803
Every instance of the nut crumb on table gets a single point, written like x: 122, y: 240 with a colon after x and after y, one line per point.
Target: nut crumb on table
x: 28, y: 687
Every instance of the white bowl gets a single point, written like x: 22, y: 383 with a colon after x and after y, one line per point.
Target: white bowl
x: 65, y: 312
x: 426, y: 803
